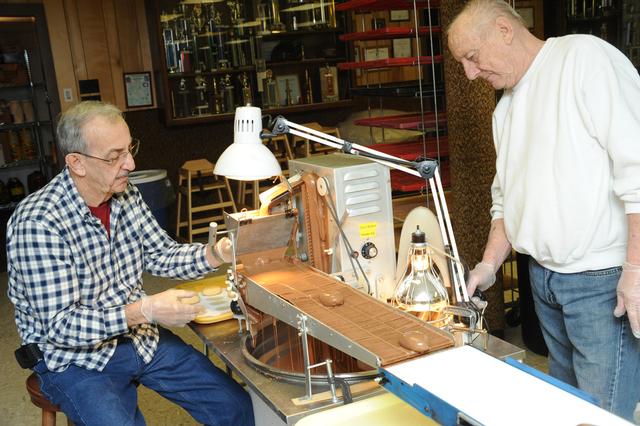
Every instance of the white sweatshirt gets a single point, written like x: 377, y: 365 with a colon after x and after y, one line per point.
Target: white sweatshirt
x: 567, y: 139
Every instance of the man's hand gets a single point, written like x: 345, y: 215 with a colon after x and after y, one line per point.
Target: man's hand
x: 629, y: 296
x: 167, y: 309
x: 221, y: 252
x: 481, y: 277
x: 224, y: 250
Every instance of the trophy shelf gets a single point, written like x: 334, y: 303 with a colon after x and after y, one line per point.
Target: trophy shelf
x: 214, y: 118
x: 214, y: 56
x: 377, y: 5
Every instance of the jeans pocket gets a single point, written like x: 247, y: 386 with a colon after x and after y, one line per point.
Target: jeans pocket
x: 615, y: 270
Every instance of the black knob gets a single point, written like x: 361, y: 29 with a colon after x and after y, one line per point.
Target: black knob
x: 235, y: 308
x: 369, y: 250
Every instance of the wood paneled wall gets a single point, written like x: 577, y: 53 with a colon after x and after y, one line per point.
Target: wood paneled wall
x: 98, y: 39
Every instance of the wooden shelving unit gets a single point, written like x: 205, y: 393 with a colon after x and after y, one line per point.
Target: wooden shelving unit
x: 367, y: 38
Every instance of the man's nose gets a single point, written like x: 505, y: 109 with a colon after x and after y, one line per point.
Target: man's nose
x: 470, y: 69
x: 129, y: 163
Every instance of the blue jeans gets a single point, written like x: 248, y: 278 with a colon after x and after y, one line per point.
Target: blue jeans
x: 588, y: 347
x: 178, y: 372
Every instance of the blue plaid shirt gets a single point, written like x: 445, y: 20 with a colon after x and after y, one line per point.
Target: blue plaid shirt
x: 70, y: 283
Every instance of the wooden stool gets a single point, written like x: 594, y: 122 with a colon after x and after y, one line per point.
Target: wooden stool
x: 49, y: 410
x: 196, y: 177
x: 311, y: 147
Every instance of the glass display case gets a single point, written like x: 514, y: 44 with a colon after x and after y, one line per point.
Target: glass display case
x: 215, y: 55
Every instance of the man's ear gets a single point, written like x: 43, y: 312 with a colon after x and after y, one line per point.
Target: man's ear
x: 505, y: 28
x: 75, y: 164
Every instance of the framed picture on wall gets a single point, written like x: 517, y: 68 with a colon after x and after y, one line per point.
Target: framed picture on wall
x: 399, y: 15
x: 137, y: 87
x: 402, y: 48
x: 288, y: 89
x: 376, y: 53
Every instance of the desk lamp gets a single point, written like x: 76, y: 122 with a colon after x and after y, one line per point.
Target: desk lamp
x: 247, y: 127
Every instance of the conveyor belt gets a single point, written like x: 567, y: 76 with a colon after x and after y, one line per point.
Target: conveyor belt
x: 362, y: 327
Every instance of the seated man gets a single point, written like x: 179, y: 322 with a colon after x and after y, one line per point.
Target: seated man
x: 76, y: 252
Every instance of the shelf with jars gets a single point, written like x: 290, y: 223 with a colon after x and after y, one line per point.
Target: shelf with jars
x: 215, y: 55
x: 25, y: 126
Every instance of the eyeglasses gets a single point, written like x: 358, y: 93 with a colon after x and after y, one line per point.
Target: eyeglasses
x: 119, y: 158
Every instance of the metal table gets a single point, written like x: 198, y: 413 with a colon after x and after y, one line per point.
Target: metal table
x: 226, y: 342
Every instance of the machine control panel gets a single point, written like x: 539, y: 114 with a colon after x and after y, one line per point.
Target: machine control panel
x: 369, y: 250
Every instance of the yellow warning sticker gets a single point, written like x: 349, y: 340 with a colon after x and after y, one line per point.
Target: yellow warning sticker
x: 368, y: 230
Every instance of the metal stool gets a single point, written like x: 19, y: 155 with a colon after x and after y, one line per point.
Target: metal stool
x: 49, y: 410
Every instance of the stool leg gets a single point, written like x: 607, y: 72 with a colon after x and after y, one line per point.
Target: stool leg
x: 256, y: 193
x: 230, y: 194
x: 179, y: 206
x: 241, y: 191
x: 287, y: 148
x: 189, y: 210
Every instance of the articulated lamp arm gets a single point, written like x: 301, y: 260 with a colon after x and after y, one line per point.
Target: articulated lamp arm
x: 426, y: 169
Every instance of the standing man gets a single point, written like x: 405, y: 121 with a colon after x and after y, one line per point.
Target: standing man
x: 76, y: 252
x: 566, y: 191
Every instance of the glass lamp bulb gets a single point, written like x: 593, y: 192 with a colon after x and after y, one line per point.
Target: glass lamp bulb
x: 421, y: 291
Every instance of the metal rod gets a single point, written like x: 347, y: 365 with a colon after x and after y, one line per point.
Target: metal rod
x: 302, y: 321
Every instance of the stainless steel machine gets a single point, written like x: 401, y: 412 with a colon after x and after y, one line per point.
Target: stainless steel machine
x: 360, y: 231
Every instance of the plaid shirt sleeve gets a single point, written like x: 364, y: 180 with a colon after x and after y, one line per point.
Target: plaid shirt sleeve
x: 163, y: 256
x: 45, y: 264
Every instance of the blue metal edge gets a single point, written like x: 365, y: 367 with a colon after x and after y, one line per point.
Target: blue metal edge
x: 553, y: 381
x: 422, y: 400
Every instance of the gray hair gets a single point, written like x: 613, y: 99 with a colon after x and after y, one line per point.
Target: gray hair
x: 70, y: 130
x: 484, y: 12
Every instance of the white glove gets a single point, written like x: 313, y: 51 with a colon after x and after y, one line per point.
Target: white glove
x: 481, y: 277
x: 629, y: 296
x: 223, y: 250
x: 167, y: 309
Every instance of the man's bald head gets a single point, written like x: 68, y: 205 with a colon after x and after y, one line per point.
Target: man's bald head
x: 478, y: 16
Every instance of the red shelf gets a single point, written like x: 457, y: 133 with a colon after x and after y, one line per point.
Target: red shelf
x: 368, y: 5
x: 404, y: 121
x: 388, y: 33
x: 410, y: 150
x: 403, y: 182
x: 391, y: 62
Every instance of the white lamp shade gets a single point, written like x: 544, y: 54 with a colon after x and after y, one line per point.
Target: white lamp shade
x: 247, y: 158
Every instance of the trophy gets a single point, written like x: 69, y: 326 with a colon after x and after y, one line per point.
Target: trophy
x: 202, y: 106
x: 183, y: 93
x: 247, y: 98
x: 308, y: 90
x: 228, y: 93
x: 270, y: 91
x: 218, y: 98
x: 329, y: 84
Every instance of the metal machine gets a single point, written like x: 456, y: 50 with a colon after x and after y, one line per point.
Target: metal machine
x: 360, y: 233
x: 307, y: 326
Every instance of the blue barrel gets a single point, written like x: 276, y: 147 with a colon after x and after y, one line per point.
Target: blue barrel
x: 156, y: 191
